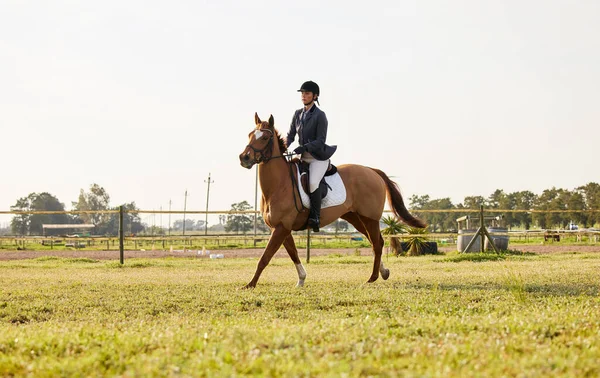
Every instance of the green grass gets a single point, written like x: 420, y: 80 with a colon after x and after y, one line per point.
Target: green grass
x: 519, y: 316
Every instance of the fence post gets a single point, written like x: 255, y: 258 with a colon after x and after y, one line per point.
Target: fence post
x: 121, y: 234
x: 307, y: 245
x: 481, y: 227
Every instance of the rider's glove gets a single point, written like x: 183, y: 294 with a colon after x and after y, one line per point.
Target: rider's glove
x: 299, y: 150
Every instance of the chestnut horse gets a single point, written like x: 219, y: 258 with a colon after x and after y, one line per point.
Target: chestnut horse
x: 282, y: 210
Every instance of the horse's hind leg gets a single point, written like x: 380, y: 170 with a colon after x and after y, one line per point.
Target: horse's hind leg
x: 370, y: 228
x: 291, y: 249
x: 385, y: 273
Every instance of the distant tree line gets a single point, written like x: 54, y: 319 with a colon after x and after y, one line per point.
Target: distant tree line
x: 96, y: 199
x: 583, y: 198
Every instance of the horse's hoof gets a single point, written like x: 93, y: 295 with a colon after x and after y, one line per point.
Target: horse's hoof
x: 248, y: 287
x: 385, y: 274
x: 300, y: 284
x: 371, y: 280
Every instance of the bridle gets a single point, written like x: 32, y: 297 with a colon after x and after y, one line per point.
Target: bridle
x: 266, y: 151
x: 265, y: 156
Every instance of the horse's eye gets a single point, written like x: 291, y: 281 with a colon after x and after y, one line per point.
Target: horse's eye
x: 264, y: 138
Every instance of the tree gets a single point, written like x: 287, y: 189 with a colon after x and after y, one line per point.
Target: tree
x: 418, y: 202
x: 576, y: 201
x: 441, y: 221
x: 501, y: 200
x: 436, y: 221
x: 239, y: 222
x: 524, y: 200
x: 20, y: 223
x: 591, y: 195
x: 551, y: 199
x: 496, y: 199
x: 97, y: 199
x: 31, y: 224
x: 341, y: 225
x: 261, y: 225
x: 132, y: 224
x: 473, y: 202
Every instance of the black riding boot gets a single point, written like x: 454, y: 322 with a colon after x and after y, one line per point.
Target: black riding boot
x: 315, y: 210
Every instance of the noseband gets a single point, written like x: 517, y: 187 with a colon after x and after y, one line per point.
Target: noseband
x: 266, y: 152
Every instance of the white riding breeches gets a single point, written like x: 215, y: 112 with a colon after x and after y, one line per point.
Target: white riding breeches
x: 316, y: 171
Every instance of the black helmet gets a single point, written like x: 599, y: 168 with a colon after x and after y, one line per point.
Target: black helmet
x: 309, y: 86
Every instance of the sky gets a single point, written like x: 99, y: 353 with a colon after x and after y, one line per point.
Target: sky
x: 146, y: 98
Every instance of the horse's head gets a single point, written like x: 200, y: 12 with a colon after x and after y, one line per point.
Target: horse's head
x: 260, y: 143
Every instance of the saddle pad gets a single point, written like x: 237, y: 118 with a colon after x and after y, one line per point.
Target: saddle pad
x: 335, y: 196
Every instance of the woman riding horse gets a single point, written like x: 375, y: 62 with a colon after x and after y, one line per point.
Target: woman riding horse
x: 310, y: 123
x: 366, y: 190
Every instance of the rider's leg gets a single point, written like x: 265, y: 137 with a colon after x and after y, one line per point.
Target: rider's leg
x: 316, y: 172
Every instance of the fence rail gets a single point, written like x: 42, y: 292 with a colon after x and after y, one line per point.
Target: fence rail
x: 218, y: 239
x: 198, y: 240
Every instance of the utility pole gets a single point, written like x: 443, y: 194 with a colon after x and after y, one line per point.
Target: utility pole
x: 207, y: 198
x: 184, y: 208
x: 169, y: 217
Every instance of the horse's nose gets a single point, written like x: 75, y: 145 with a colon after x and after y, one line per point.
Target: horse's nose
x: 246, y: 157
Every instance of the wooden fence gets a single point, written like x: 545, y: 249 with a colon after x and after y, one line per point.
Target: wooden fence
x: 162, y: 241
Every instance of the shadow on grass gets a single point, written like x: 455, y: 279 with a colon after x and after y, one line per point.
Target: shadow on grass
x: 511, y: 284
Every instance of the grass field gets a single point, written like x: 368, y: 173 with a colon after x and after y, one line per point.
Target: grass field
x: 527, y: 315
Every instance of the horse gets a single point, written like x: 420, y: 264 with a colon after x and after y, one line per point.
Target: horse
x: 366, y: 191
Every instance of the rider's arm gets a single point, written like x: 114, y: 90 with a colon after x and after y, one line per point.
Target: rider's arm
x: 292, y: 133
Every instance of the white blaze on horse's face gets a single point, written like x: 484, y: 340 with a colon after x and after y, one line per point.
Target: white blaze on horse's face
x: 258, y: 134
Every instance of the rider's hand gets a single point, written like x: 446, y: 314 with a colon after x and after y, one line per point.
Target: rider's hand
x: 299, y: 150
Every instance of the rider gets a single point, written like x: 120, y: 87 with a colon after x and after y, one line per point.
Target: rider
x: 310, y: 123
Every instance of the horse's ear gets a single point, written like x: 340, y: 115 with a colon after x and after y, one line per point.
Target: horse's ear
x: 256, y: 119
x: 271, y: 122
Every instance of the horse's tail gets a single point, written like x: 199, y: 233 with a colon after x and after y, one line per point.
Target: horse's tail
x: 397, y: 203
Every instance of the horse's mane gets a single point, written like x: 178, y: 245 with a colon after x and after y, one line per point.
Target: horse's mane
x: 282, y: 145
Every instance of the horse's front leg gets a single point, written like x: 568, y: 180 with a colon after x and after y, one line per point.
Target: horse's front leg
x: 277, y: 237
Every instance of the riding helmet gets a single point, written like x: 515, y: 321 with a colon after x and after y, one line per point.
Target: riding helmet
x: 309, y: 86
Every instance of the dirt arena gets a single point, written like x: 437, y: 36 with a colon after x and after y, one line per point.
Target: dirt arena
x: 254, y: 253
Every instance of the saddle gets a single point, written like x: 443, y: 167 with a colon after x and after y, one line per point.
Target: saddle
x: 304, y: 174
